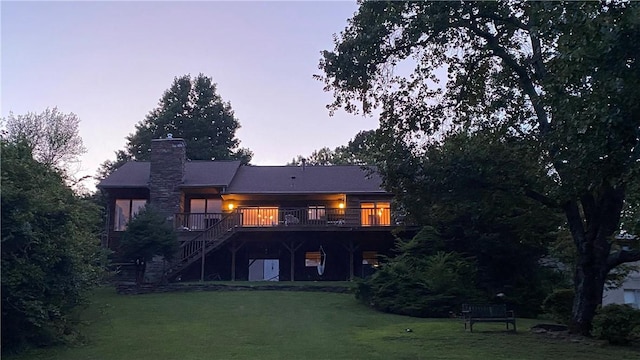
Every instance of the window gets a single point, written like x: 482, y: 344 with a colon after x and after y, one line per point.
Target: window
x: 312, y: 258
x: 316, y: 212
x: 259, y: 216
x: 125, y: 210
x: 204, y: 213
x: 375, y: 213
x: 370, y: 258
x: 632, y: 297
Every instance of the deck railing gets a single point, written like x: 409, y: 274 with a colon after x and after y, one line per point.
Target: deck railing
x: 312, y: 216
x: 205, y: 241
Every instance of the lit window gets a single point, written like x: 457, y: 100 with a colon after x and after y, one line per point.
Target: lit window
x: 259, y: 216
x: 124, y: 211
x: 370, y: 258
x: 312, y: 258
x: 375, y: 213
x: 317, y: 212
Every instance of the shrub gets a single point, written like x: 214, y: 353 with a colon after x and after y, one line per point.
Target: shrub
x: 618, y: 324
x: 559, y: 305
x: 430, y: 286
x: 148, y: 235
x: 50, y: 252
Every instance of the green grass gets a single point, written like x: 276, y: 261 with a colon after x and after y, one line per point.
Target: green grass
x: 294, y: 325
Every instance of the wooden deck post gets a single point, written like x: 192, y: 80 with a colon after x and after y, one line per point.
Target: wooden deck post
x: 234, y: 249
x: 351, y: 248
x: 202, y: 262
x: 293, y: 247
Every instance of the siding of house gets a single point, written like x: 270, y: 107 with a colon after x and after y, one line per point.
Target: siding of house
x: 631, y: 286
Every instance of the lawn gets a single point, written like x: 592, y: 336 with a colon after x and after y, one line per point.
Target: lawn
x: 294, y: 325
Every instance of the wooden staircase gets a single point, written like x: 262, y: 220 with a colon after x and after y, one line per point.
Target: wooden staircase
x: 212, y: 238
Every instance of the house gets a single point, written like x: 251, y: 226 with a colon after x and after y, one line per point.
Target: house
x: 257, y: 222
x: 629, y: 291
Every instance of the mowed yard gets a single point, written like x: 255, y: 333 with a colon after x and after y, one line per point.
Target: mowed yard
x: 295, y: 325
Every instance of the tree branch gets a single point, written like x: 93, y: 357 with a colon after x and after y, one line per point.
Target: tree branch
x: 541, y: 198
x: 521, y: 72
x: 575, y: 223
x: 621, y: 257
x: 511, y: 20
x: 588, y: 207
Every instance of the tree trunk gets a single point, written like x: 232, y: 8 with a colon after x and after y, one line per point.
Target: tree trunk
x: 592, y: 221
x: 141, y: 266
x: 589, y: 279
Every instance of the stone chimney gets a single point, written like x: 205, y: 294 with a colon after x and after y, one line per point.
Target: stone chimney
x: 168, y: 158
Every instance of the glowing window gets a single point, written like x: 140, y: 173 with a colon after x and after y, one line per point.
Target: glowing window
x: 375, y: 214
x: 259, y: 216
x: 317, y: 213
x: 370, y: 258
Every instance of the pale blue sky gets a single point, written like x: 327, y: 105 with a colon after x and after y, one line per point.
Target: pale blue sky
x: 110, y: 62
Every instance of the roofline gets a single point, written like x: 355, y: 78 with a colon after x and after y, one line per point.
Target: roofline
x: 122, y: 187
x: 202, y: 185
x: 305, y: 192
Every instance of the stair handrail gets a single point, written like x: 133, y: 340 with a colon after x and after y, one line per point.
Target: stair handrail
x: 192, y: 248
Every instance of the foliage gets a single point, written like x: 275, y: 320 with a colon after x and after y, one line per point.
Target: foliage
x: 504, y: 230
x: 618, y: 324
x: 559, y: 305
x: 631, y: 213
x: 52, y: 136
x: 50, y: 251
x: 361, y: 150
x: 560, y: 75
x: 432, y: 286
x: 190, y: 109
x: 148, y: 235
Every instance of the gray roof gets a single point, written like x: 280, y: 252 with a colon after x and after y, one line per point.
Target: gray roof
x: 197, y: 173
x: 295, y: 180
x: 130, y: 175
x: 209, y: 173
x: 257, y: 179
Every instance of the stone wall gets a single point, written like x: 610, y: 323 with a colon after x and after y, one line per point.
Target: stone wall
x: 133, y: 289
x: 154, y: 271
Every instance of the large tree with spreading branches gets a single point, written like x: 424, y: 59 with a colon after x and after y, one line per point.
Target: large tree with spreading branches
x: 561, y: 75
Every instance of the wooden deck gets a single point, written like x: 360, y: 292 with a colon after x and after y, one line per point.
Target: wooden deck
x: 291, y: 219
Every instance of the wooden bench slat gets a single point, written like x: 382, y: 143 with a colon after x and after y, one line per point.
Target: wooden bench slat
x: 487, y: 313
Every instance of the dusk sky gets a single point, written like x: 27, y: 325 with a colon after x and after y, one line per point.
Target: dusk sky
x: 110, y: 62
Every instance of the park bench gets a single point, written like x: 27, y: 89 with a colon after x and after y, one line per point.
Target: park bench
x: 495, y: 313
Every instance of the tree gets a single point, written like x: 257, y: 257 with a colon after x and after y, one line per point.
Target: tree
x: 563, y: 75
x: 109, y: 166
x: 52, y: 136
x: 148, y: 235
x: 190, y: 109
x: 50, y: 251
x: 361, y: 150
x: 466, y: 194
x: 323, y: 157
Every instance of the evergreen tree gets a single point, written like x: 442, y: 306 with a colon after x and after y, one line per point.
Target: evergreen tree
x: 190, y: 109
x: 148, y: 235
